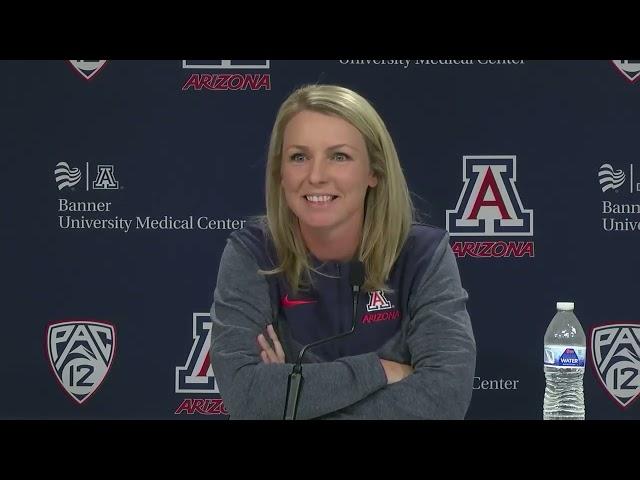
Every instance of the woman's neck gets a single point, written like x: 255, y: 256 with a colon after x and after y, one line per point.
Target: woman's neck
x: 336, y: 244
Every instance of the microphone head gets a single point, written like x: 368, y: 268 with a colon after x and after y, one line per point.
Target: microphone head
x: 356, y: 273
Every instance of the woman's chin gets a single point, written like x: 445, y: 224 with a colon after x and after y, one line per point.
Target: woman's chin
x: 317, y: 221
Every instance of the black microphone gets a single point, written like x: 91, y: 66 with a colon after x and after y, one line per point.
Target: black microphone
x: 294, y: 385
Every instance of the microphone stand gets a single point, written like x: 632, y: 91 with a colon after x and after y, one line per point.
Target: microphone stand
x: 296, y: 380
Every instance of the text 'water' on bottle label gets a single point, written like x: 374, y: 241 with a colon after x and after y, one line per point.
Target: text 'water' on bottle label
x: 561, y: 356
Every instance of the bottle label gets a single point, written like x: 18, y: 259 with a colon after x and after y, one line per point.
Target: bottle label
x: 560, y: 356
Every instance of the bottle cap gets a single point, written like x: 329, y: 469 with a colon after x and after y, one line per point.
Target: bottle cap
x: 564, y: 306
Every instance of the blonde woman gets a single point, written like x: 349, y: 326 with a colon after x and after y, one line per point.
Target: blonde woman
x: 335, y: 192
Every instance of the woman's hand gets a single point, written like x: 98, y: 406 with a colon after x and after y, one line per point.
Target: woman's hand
x: 395, y: 371
x: 271, y: 354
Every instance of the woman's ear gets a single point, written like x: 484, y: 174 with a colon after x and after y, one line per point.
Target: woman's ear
x: 373, y: 179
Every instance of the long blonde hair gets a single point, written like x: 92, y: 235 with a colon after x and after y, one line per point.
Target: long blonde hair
x: 389, y: 210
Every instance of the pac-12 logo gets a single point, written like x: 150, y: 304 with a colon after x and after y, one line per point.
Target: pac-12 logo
x: 80, y: 354
x: 489, y: 205
x: 629, y: 68
x: 87, y: 68
x: 615, y: 357
x: 196, y: 375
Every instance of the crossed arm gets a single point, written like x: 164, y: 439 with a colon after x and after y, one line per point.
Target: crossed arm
x: 272, y: 352
x: 252, y: 374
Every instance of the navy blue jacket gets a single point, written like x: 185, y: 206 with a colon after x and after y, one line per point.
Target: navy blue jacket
x: 421, y: 321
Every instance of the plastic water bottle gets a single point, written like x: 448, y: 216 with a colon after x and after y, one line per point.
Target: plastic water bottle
x: 564, y: 361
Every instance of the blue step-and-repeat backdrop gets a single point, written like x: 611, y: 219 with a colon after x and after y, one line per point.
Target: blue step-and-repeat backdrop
x: 121, y: 181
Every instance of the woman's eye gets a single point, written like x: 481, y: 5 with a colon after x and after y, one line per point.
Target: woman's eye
x: 341, y: 157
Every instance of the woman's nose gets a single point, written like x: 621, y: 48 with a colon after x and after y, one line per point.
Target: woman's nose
x: 318, y: 173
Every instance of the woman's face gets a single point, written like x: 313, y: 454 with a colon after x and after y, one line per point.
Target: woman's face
x: 325, y: 171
